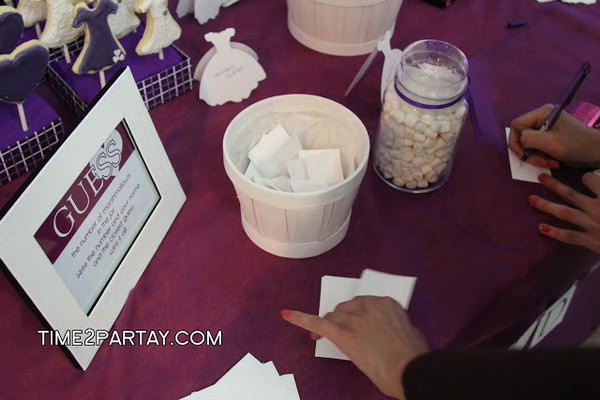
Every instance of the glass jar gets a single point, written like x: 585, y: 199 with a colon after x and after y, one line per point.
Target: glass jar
x: 424, y: 110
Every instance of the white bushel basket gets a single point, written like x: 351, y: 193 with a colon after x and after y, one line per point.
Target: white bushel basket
x: 297, y: 225
x: 341, y: 27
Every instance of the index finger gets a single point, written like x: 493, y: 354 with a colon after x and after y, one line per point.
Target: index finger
x: 312, y: 323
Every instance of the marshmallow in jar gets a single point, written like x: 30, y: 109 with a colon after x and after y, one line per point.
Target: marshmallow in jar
x: 423, y: 114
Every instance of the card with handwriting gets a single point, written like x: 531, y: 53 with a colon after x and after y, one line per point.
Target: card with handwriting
x: 521, y: 170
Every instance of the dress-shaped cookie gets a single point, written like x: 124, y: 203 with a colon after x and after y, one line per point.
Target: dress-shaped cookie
x: 124, y: 21
x: 231, y: 74
x: 33, y: 11
x: 203, y: 9
x: 161, y: 29
x: 59, y: 29
x: 11, y: 28
x: 101, y: 50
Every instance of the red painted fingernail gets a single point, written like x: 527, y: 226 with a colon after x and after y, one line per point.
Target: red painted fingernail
x: 544, y: 228
x: 285, y: 313
x: 532, y: 201
x: 543, y: 178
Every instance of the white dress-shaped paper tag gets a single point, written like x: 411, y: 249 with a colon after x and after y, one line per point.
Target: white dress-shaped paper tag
x: 231, y: 74
x: 392, y: 60
x: 209, y: 54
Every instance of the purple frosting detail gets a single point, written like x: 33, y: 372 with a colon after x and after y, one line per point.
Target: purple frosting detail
x: 20, y: 76
x: 103, y: 49
x: 11, y: 29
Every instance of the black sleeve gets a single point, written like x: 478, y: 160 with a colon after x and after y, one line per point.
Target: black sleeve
x: 508, y: 375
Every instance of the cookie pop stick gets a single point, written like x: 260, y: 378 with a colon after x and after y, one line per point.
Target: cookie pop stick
x: 66, y: 53
x: 20, y: 72
x: 101, y: 50
x: 22, y: 117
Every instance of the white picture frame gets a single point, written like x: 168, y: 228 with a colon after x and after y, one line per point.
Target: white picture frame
x: 30, y: 265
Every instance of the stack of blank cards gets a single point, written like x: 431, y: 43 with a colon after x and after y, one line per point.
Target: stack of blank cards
x: 279, y: 162
x: 250, y: 379
x: 336, y: 289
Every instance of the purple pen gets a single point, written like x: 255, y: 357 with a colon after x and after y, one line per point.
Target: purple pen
x: 566, y: 99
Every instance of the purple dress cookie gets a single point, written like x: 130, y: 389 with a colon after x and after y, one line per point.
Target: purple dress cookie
x: 101, y: 49
x: 11, y: 28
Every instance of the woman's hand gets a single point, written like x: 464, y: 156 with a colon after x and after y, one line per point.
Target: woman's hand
x: 569, y: 140
x: 374, y: 332
x: 586, y: 214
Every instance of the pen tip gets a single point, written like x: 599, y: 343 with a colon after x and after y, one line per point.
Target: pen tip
x: 587, y: 66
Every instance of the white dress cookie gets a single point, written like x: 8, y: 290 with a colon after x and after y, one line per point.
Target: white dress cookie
x: 124, y: 21
x: 203, y: 9
x: 161, y: 29
x: 33, y: 11
x: 59, y: 30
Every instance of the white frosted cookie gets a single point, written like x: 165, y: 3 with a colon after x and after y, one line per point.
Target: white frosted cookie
x: 33, y: 11
x: 161, y: 29
x: 59, y: 30
x: 124, y: 21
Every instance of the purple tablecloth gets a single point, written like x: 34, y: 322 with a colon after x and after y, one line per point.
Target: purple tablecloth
x: 484, y: 272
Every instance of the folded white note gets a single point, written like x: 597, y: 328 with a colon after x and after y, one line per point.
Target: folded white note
x: 323, y: 164
x: 521, y: 170
x: 335, y: 290
x: 375, y: 283
x: 274, y: 149
x: 290, y: 385
x: 304, y: 186
x: 281, y: 183
x: 249, y: 379
x: 296, y: 169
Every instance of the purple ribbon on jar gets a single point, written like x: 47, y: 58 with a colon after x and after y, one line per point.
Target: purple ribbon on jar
x: 466, y: 94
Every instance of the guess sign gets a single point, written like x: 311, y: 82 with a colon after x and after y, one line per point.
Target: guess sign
x: 56, y: 231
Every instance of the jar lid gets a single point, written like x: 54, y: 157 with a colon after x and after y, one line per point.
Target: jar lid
x: 432, y: 72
